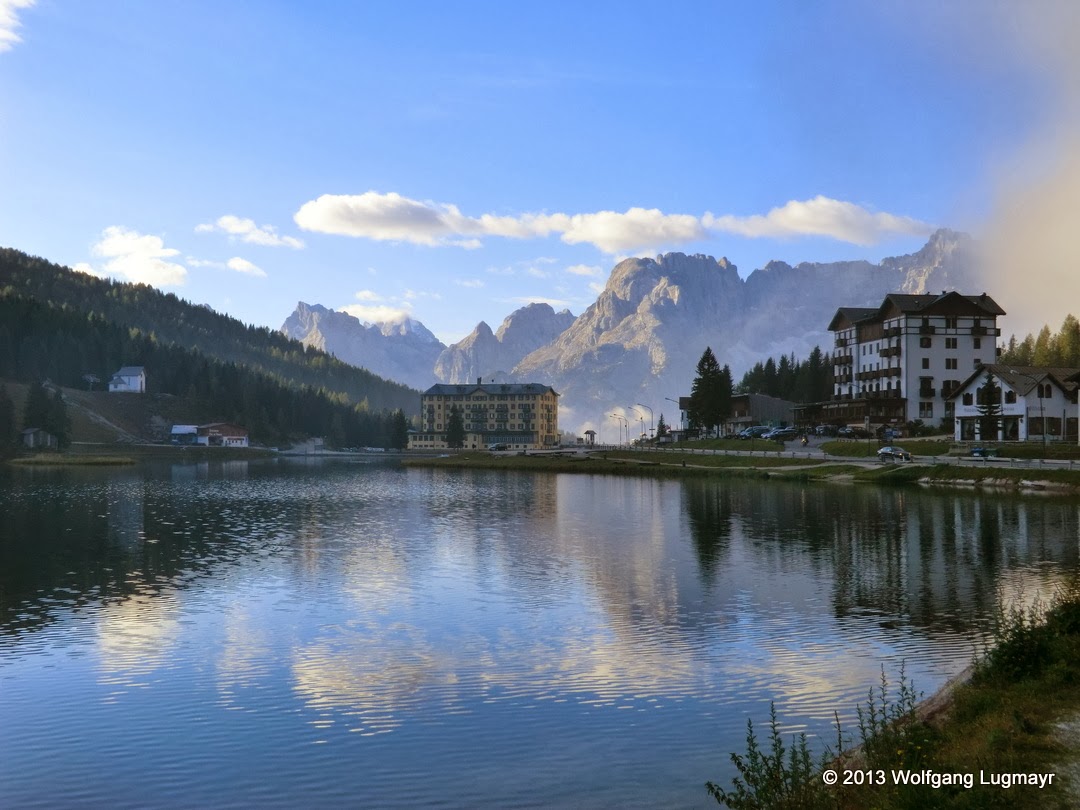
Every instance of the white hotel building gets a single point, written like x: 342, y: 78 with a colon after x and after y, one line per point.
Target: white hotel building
x: 901, y: 361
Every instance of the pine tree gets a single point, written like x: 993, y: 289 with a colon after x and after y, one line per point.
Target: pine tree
x: 7, y: 422
x: 399, y: 431
x: 705, y: 393
x: 36, y: 411
x: 455, y: 429
x: 662, y: 429
x: 989, y: 409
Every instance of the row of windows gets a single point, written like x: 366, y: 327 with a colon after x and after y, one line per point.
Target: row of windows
x: 952, y: 363
x: 480, y: 398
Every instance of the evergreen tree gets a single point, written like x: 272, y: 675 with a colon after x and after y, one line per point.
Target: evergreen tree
x: 662, y: 429
x: 399, y: 431
x: 705, y: 393
x: 989, y: 409
x: 7, y: 422
x: 57, y: 422
x: 36, y: 411
x: 455, y: 428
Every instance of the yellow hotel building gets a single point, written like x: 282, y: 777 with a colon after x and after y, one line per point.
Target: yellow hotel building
x: 521, y: 416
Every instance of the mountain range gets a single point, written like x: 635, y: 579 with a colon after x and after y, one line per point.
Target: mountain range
x: 640, y: 341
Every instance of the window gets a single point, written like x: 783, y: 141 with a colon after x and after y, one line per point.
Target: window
x: 950, y: 408
x: 926, y: 362
x: 950, y: 343
x: 969, y: 399
x: 977, y: 363
x: 1010, y: 397
x: 926, y: 410
x: 977, y: 343
x: 925, y: 342
x: 950, y: 323
x: 950, y: 362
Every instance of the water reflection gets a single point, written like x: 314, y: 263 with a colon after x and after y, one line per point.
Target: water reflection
x: 521, y: 622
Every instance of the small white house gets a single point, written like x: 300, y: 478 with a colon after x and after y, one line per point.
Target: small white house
x: 184, y: 434
x: 222, y: 434
x: 129, y: 379
x: 1037, y: 403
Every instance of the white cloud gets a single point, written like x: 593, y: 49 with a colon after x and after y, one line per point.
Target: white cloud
x: 596, y: 287
x: 470, y: 283
x: 821, y: 216
x: 613, y: 232
x: 584, y: 270
x: 368, y: 295
x: 379, y: 313
x: 247, y: 231
x: 194, y: 262
x: 139, y: 258
x: 394, y: 218
x: 244, y: 266
x: 10, y: 23
x: 536, y: 272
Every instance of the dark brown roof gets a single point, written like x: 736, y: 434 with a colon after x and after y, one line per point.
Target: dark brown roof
x: 1022, y: 379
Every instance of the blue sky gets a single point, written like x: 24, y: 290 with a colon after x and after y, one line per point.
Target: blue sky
x: 455, y: 161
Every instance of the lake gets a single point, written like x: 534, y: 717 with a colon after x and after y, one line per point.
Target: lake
x: 328, y: 634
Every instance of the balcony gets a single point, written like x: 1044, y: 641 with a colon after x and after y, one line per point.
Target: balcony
x: 843, y: 359
x: 892, y: 351
x: 927, y: 330
x: 978, y: 330
x: 893, y: 331
x: 927, y: 393
x: 840, y: 343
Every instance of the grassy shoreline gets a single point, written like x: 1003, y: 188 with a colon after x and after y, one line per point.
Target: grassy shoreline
x: 675, y: 464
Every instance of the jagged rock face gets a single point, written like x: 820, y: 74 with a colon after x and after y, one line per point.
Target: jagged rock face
x: 404, y: 350
x: 492, y: 355
x: 641, y: 340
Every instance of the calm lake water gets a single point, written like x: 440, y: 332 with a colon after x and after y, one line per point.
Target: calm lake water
x: 288, y: 635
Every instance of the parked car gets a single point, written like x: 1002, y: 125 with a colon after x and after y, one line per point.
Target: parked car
x: 984, y: 452
x: 781, y: 434
x: 892, y: 453
x: 495, y: 447
x: 755, y: 432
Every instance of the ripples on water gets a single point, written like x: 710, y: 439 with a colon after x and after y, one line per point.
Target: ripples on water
x: 279, y: 635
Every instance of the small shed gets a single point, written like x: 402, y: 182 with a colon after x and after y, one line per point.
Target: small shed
x: 184, y: 434
x: 38, y: 439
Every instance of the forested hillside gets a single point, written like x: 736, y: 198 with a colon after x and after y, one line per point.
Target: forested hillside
x: 166, y: 319
x: 40, y: 340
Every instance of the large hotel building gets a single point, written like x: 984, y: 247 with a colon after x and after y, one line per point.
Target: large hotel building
x: 901, y: 361
x: 521, y: 416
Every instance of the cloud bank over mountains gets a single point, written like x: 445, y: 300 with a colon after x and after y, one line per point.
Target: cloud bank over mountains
x: 392, y: 217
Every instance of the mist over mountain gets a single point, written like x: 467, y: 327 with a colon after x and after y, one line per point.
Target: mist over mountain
x: 641, y: 339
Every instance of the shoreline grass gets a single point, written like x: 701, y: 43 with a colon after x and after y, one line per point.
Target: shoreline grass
x: 67, y: 460
x: 674, y: 464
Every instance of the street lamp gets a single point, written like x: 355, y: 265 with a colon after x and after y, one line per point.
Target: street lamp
x: 682, y: 425
x: 646, y: 407
x: 621, y: 420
